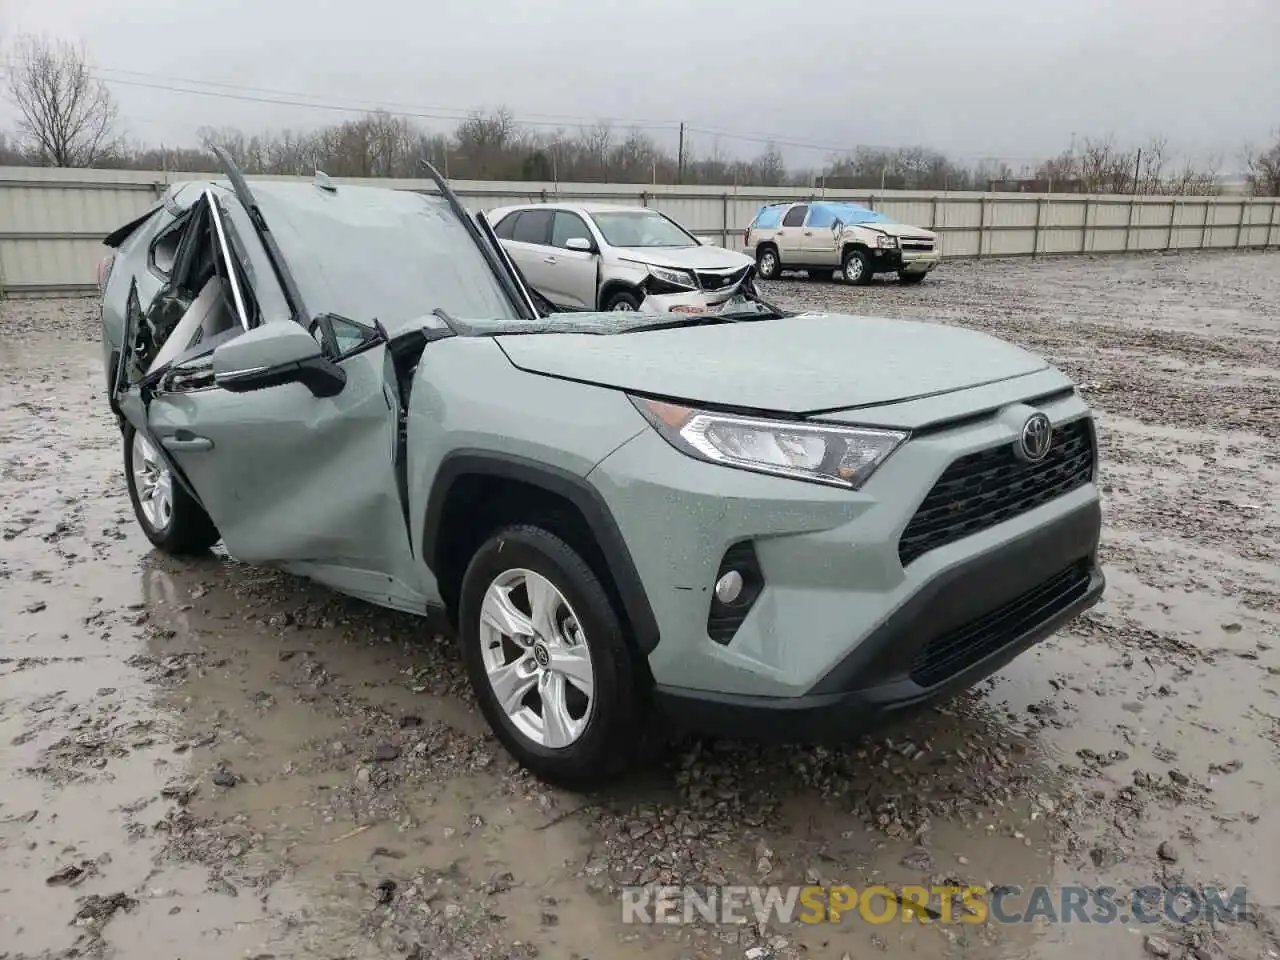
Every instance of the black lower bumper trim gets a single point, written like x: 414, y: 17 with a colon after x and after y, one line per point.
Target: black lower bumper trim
x: 960, y: 628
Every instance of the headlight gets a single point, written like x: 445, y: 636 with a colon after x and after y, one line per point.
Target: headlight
x: 681, y: 278
x: 839, y: 456
x: 884, y: 240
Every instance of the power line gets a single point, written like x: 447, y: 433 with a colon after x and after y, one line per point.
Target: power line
x: 290, y: 98
x: 432, y: 112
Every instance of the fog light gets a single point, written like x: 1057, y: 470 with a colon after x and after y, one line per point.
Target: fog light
x: 729, y: 587
x: 737, y: 586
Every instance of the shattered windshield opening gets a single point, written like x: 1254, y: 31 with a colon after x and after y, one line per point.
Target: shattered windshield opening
x: 388, y: 255
x: 627, y: 228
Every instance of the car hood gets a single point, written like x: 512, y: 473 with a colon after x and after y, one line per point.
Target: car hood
x: 686, y: 258
x: 899, y: 229
x: 800, y: 365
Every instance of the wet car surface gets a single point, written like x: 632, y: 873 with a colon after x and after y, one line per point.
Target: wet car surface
x: 207, y: 759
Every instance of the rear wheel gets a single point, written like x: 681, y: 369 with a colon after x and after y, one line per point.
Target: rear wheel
x: 168, y: 515
x: 547, y: 658
x: 910, y: 278
x: 856, y: 268
x: 768, y: 266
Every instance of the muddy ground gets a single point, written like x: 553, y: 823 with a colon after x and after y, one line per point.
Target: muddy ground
x: 207, y: 760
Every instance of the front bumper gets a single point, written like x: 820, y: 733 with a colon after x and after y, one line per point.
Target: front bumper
x: 841, y: 616
x: 904, y: 261
x: 695, y: 301
x: 963, y: 626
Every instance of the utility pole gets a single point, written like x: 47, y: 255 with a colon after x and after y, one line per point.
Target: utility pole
x: 680, y: 156
x: 1137, y: 166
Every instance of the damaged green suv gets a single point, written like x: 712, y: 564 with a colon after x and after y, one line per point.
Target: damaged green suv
x: 753, y: 522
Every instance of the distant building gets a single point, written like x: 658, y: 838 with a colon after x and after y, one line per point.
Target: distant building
x: 869, y: 181
x: 1035, y: 185
x: 1233, y: 185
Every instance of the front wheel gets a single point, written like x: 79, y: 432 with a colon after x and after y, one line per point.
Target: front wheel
x: 623, y: 302
x: 168, y: 515
x: 547, y: 658
x: 856, y: 268
x: 911, y: 278
x: 768, y: 266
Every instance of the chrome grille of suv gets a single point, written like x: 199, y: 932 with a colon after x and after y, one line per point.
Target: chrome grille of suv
x: 915, y: 243
x: 719, y: 280
x: 991, y: 486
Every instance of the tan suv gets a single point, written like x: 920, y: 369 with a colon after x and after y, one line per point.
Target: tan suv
x: 821, y: 236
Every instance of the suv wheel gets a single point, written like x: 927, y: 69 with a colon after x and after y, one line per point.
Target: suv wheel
x: 623, y: 301
x: 856, y: 268
x: 545, y: 653
x: 768, y: 266
x: 168, y: 515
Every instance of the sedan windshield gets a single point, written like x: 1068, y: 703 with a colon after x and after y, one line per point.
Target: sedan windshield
x: 641, y: 228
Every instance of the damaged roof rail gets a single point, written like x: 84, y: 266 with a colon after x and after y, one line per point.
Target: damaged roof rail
x: 488, y: 245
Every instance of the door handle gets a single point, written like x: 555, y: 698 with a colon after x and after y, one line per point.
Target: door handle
x: 187, y: 442
x: 550, y: 260
x: 808, y: 233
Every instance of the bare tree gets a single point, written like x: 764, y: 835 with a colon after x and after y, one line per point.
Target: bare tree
x: 1263, y: 168
x: 596, y: 141
x: 67, y: 116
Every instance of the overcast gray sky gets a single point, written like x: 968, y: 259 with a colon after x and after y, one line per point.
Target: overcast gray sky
x: 1002, y: 78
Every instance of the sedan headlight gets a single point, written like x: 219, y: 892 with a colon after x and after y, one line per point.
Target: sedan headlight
x: 680, y: 278
x: 884, y: 240
x: 839, y: 456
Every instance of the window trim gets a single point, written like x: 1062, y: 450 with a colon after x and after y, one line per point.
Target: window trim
x: 804, y: 219
x: 180, y: 224
x: 586, y: 229
x: 550, y: 211
x: 509, y: 218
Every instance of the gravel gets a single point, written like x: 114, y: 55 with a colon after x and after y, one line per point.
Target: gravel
x: 207, y: 759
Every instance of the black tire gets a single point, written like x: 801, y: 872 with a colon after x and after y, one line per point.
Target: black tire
x: 623, y: 300
x: 910, y: 279
x: 856, y: 268
x: 614, y: 735
x: 189, y: 531
x: 768, y: 262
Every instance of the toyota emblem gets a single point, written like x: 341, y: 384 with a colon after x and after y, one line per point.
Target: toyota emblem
x: 1037, y: 438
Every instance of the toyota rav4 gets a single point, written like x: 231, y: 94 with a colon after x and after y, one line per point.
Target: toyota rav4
x: 754, y: 522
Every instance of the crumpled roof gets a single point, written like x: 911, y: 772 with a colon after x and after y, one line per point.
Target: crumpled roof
x: 845, y: 212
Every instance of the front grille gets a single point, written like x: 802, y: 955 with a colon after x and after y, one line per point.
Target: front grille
x: 958, y: 649
x: 916, y: 243
x: 720, y: 280
x: 991, y: 486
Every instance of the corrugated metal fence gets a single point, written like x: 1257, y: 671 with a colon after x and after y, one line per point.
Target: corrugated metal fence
x: 52, y: 221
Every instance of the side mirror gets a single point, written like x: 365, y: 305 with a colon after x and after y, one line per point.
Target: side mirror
x: 275, y: 354
x: 581, y: 244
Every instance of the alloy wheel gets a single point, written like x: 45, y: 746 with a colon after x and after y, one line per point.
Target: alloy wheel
x: 536, y: 658
x: 153, y: 481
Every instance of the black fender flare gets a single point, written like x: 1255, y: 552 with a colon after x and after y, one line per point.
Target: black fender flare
x: 562, y: 483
